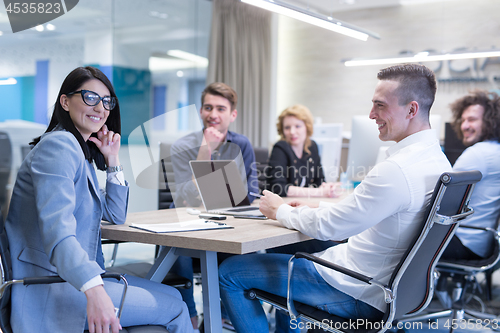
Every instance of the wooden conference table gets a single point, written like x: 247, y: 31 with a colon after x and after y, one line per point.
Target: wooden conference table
x: 248, y: 235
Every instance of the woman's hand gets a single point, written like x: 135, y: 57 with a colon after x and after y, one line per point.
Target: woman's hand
x: 108, y: 143
x: 329, y: 190
x: 101, y: 311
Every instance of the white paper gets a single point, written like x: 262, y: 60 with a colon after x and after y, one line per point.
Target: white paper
x: 191, y: 225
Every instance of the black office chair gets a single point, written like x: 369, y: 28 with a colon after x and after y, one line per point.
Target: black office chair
x: 463, y: 300
x: 6, y: 280
x: 5, y: 166
x: 261, y: 162
x: 453, y: 146
x: 410, y: 288
x: 166, y: 177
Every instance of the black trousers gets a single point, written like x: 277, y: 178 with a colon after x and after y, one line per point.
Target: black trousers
x: 456, y: 250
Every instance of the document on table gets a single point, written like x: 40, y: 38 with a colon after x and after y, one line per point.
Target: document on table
x: 191, y: 225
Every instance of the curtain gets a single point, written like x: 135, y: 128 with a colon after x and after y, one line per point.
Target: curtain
x: 240, y: 56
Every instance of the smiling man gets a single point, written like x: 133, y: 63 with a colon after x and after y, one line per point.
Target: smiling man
x: 379, y: 219
x: 476, y: 120
x: 214, y: 142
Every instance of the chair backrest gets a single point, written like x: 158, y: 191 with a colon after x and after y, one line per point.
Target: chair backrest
x: 166, y: 178
x: 413, y: 279
x: 5, y: 166
x: 6, y: 275
x: 261, y: 161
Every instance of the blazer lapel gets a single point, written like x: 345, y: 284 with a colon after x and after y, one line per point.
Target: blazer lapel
x: 92, y: 180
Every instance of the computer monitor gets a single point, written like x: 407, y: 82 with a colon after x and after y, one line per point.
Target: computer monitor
x: 364, y: 147
x: 435, y: 121
x: 328, y: 137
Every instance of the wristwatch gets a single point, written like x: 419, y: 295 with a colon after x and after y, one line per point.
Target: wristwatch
x: 115, y: 168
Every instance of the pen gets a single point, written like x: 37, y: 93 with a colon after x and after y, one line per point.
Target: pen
x: 257, y: 195
x: 218, y: 223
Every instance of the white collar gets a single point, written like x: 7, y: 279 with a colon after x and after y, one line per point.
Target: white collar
x: 421, y: 136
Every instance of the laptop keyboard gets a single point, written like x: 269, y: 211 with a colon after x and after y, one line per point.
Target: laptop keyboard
x: 243, y: 209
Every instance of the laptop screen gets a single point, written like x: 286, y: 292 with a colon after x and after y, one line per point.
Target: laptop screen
x: 220, y: 184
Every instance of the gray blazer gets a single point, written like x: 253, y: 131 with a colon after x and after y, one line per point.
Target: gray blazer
x: 53, y: 227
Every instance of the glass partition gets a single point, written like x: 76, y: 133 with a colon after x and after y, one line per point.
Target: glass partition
x: 154, y: 51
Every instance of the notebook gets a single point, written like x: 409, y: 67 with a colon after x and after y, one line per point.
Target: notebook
x: 222, y: 189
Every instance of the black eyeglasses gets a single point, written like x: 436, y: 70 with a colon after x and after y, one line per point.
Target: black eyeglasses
x: 92, y: 99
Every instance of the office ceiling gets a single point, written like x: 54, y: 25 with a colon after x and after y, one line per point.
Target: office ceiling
x: 96, y: 13
x: 125, y: 16
x: 328, y: 7
x: 148, y: 20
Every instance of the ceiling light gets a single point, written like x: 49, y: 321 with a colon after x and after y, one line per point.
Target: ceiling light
x: 175, y: 60
x: 180, y: 73
x: 1, y: 33
x: 423, y: 57
x: 200, y: 61
x: 39, y: 28
x: 50, y: 27
x: 313, y: 18
x: 9, y: 81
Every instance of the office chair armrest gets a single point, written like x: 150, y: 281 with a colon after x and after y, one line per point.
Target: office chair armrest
x: 389, y: 296
x: 446, y: 220
x: 42, y: 280
x: 495, y: 232
x: 388, y: 293
x: 343, y: 270
x: 58, y: 279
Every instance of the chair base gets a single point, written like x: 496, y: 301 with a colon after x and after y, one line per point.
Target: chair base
x: 456, y: 316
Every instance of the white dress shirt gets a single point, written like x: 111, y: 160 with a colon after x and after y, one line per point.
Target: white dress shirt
x: 485, y: 157
x: 380, y: 218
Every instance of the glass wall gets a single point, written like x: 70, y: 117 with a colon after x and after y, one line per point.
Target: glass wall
x: 154, y: 51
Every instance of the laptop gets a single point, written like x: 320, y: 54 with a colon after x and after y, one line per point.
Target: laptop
x: 222, y: 189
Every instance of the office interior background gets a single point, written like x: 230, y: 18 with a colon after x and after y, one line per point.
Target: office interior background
x: 273, y: 62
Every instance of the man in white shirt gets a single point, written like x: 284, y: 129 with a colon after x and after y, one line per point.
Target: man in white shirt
x: 380, y: 218
x: 476, y: 120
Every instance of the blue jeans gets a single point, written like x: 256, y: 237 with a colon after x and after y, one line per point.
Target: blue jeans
x: 269, y: 272
x: 149, y: 303
x: 183, y: 266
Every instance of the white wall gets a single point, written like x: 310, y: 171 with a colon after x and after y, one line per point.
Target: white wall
x: 310, y: 71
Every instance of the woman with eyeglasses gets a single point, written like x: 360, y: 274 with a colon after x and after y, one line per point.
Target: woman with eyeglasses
x: 53, y: 224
